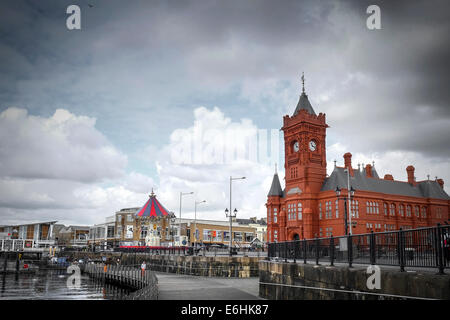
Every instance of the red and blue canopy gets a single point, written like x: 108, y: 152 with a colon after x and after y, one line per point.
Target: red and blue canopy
x: 152, y: 208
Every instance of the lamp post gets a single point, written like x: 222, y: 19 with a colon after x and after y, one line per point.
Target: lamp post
x: 172, y: 222
x: 181, y: 195
x: 195, y: 222
x: 231, y: 216
x: 350, y: 197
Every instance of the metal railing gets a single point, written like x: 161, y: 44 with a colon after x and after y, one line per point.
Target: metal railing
x: 423, y: 248
x: 144, y: 282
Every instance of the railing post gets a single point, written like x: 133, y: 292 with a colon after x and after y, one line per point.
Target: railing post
x: 439, y: 249
x: 316, y: 242
x: 285, y: 251
x: 350, y: 250
x: 295, y: 250
x: 372, y: 248
x: 332, y: 250
x: 401, y: 249
x: 304, y: 251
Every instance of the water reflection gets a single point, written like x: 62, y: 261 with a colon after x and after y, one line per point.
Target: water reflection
x: 51, y: 285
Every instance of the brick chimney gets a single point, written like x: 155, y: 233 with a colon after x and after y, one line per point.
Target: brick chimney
x: 348, y: 162
x: 369, y: 171
x: 388, y: 177
x: 410, y: 171
x: 441, y: 183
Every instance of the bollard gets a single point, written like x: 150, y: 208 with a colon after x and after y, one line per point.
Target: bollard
x: 332, y: 251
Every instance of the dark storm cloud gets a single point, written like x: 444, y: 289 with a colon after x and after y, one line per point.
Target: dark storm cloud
x: 142, y: 51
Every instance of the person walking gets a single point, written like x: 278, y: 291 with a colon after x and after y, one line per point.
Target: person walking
x: 143, y: 267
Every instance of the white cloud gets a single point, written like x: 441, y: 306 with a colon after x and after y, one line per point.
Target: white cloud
x: 62, y: 168
x: 211, y: 182
x: 63, y: 146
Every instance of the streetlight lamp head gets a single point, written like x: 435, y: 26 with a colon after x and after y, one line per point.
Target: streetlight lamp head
x: 352, y: 191
x: 235, y: 211
x: 226, y: 211
x: 338, y: 191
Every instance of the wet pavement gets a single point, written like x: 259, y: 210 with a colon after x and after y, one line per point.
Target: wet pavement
x: 184, y: 287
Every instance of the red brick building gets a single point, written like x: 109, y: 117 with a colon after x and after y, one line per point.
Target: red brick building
x: 308, y: 207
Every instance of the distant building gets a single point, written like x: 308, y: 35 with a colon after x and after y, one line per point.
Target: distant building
x: 260, y: 226
x: 104, y: 234
x: 135, y: 226
x: 30, y: 235
x: 72, y: 236
x: 217, y: 232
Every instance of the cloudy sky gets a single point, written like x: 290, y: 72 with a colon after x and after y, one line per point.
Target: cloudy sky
x: 91, y: 120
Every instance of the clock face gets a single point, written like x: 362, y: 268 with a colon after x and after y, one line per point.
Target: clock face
x: 296, y: 146
x: 312, y: 145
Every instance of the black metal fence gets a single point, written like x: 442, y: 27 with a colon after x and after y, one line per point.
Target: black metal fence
x: 422, y: 247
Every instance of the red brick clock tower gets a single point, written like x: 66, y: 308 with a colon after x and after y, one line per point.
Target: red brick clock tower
x: 305, y: 168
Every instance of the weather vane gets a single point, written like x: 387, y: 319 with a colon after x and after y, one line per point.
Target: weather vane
x: 303, y: 82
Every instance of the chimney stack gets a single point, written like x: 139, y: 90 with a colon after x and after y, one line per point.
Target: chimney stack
x: 441, y: 183
x: 410, y: 171
x: 388, y: 177
x: 369, y: 171
x: 348, y: 162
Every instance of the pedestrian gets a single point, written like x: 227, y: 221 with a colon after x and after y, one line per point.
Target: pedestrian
x: 143, y: 267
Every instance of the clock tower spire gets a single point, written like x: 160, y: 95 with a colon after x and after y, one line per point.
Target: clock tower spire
x: 305, y: 155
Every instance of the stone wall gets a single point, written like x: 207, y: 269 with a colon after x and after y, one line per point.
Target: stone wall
x: 223, y: 266
x: 277, y: 281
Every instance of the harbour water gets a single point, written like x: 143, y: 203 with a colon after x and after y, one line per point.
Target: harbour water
x: 52, y: 285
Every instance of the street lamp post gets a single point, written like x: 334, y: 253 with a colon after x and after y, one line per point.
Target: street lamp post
x: 195, y: 223
x: 172, y: 222
x: 231, y: 214
x: 349, y: 197
x: 181, y: 195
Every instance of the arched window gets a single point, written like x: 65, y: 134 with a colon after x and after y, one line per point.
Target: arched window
x: 392, y: 209
x: 300, y: 211
x: 401, y: 210
x: 385, y: 209
x: 337, y: 208
x: 424, y: 212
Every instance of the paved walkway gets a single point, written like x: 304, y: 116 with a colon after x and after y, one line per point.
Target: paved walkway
x: 184, y: 287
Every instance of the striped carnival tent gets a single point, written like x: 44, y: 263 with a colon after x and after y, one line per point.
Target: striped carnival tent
x: 152, y: 208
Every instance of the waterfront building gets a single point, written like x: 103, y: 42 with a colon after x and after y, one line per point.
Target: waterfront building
x: 28, y: 236
x: 260, y: 226
x: 103, y: 234
x: 216, y: 232
x: 309, y: 206
x: 72, y: 236
x: 149, y: 223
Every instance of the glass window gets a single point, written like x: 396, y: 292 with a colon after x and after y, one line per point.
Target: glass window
x: 392, y: 209
x: 143, y: 232
x: 300, y: 211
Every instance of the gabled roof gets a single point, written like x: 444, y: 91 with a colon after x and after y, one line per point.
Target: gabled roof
x: 303, y: 103
x: 359, y: 181
x: 275, y: 189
